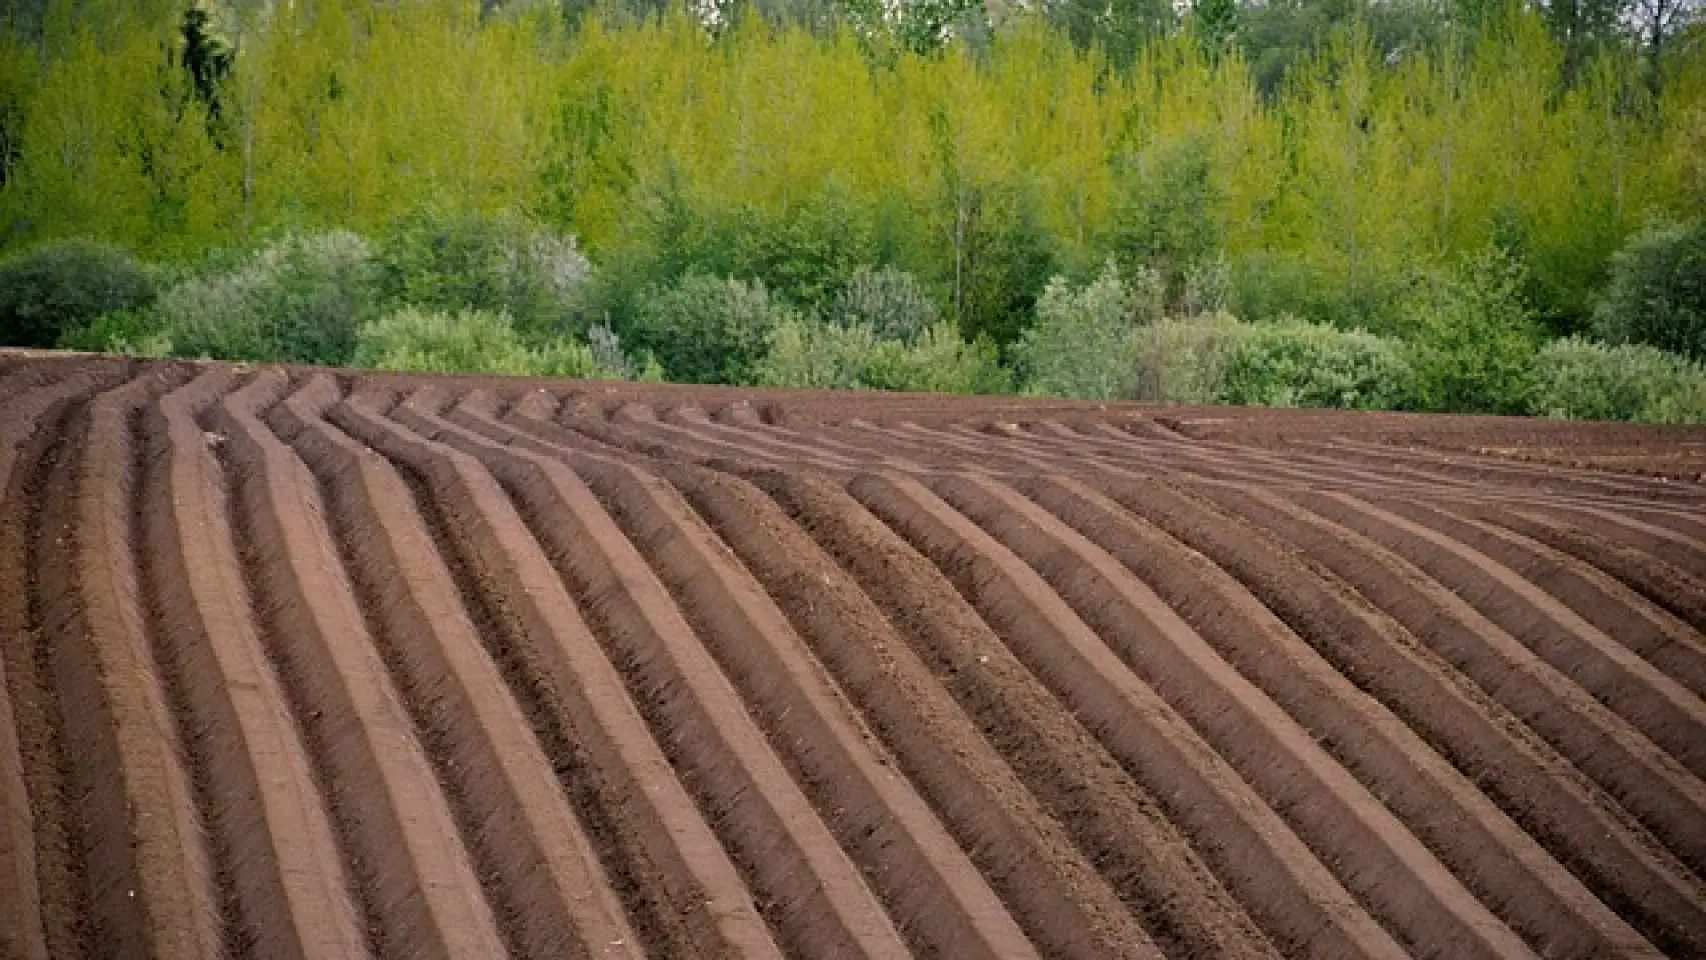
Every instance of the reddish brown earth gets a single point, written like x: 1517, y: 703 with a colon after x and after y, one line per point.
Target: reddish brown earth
x: 312, y: 664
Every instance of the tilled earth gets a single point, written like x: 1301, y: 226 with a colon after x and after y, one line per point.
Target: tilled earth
x: 303, y: 663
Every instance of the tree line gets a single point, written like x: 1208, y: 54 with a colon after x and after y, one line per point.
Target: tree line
x: 1346, y: 163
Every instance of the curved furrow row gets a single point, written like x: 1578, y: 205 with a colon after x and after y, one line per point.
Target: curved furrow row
x: 1671, y: 646
x: 806, y: 887
x: 1465, y: 469
x: 1671, y: 713
x: 1066, y: 909
x: 1374, y: 855
x: 1642, y: 778
x: 422, y: 896
x: 937, y: 899
x: 752, y: 441
x: 1677, y: 550
x: 1447, y: 469
x: 1478, y: 470
x: 1565, y: 811
x: 1682, y: 593
x: 1055, y: 445
x: 1527, y: 888
x: 1656, y: 705
x: 1300, y: 903
x: 682, y: 890
x: 30, y: 916
x: 796, y: 439
x: 1111, y: 818
x: 286, y: 889
x: 543, y: 878
x: 148, y: 888
x: 1250, y: 464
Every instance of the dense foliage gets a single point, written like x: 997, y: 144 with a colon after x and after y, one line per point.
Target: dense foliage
x: 884, y: 195
x: 54, y: 289
x: 1657, y: 294
x: 478, y: 341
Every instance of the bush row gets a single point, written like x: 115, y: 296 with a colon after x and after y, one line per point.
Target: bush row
x: 1474, y: 350
x: 498, y: 295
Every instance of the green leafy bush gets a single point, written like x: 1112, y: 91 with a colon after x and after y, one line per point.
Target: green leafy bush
x: 807, y: 352
x: 707, y: 329
x: 298, y: 300
x: 1475, y: 339
x: 470, y: 341
x: 1185, y: 359
x: 55, y: 289
x: 133, y: 333
x: 1583, y: 380
x: 474, y: 262
x: 1657, y: 293
x: 889, y: 301
x: 1084, y: 341
x: 1297, y: 364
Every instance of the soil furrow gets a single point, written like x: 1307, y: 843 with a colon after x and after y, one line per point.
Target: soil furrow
x: 751, y: 442
x: 1435, y: 473
x: 529, y: 600
x: 540, y: 871
x: 34, y: 901
x: 936, y: 896
x: 1642, y: 780
x: 1475, y: 470
x: 1014, y: 840
x: 1675, y: 590
x: 286, y: 891
x: 1118, y: 827
x: 138, y: 843
x: 680, y: 891
x: 1669, y: 645
x: 1564, y: 810
x: 653, y: 631
x: 1065, y: 448
x: 1678, y: 550
x: 1131, y: 842
x: 1130, y: 839
x: 419, y: 888
x: 1652, y: 703
x: 1506, y: 868
x: 1373, y: 854
x: 1303, y: 907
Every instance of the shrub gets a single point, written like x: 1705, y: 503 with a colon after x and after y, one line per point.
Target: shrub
x: 474, y: 262
x: 889, y: 301
x: 811, y: 353
x: 133, y: 333
x: 1185, y: 359
x: 1297, y: 364
x: 1083, y: 343
x: 299, y: 300
x: 55, y: 289
x: 1583, y: 380
x: 1657, y: 293
x: 471, y: 341
x: 1475, y: 339
x: 707, y: 329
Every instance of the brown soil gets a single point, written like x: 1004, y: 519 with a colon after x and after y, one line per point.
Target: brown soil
x: 301, y: 663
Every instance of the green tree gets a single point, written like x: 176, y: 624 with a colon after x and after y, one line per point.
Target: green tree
x: 54, y: 289
x: 1657, y: 293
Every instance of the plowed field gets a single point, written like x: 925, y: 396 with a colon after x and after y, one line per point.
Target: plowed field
x: 304, y: 664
